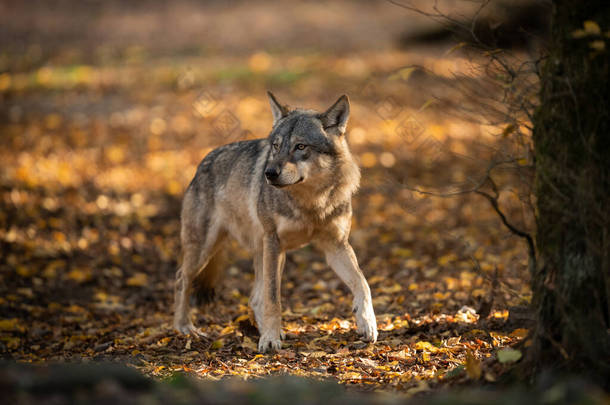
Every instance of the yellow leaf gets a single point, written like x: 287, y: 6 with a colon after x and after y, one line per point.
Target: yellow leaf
x: 101, y: 296
x: 426, y: 346
x: 138, y: 280
x: 598, y: 45
x: 520, y: 333
x: 473, y: 366
x: 446, y: 259
x: 592, y: 28
x: 392, y: 289
x: 217, y: 344
x: 425, y: 356
x: 76, y: 309
x: 12, y: 324
x: 441, y: 296
x: 242, y: 318
x: 351, y: 375
x: 79, y: 275
x: 24, y: 271
x: 12, y: 342
x: 503, y: 314
x: 402, y: 252
x: 50, y: 270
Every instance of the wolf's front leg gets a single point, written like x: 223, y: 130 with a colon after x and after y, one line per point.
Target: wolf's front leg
x: 342, y: 260
x: 269, y: 321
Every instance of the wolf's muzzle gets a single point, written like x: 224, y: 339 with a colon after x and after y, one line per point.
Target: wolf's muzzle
x: 272, y: 173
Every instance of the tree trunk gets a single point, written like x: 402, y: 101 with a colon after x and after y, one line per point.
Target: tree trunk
x: 571, y: 141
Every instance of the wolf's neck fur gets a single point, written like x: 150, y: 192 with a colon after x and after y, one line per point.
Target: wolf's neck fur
x: 323, y: 198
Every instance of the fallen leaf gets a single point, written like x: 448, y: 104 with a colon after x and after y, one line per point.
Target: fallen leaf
x: 508, y: 355
x: 473, y: 366
x: 79, y: 275
x: 164, y: 342
x: 138, y: 280
x: 426, y: 346
x: 520, y: 333
x: 12, y: 324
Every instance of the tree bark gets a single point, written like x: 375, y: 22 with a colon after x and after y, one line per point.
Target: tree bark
x: 571, y: 141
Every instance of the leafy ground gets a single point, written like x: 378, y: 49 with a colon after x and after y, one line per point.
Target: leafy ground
x: 112, y: 383
x: 101, y: 136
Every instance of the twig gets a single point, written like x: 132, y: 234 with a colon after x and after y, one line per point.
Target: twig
x: 493, y: 200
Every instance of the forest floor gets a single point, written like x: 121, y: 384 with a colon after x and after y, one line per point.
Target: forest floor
x: 99, y: 143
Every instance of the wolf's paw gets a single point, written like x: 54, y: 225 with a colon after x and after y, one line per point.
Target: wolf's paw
x: 367, y: 324
x: 368, y: 332
x: 187, y: 328
x: 269, y: 342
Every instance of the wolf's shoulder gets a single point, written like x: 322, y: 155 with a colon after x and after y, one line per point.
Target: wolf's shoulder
x: 234, y: 151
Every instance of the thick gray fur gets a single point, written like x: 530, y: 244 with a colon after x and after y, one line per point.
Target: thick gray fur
x: 272, y: 195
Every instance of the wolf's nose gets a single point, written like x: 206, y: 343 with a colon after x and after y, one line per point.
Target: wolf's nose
x: 272, y: 173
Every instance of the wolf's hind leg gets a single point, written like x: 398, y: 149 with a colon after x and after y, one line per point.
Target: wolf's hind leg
x: 204, y: 285
x: 197, y: 257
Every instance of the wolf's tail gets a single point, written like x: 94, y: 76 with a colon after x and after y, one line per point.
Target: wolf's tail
x: 206, y: 283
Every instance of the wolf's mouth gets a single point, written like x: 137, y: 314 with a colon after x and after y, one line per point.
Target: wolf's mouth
x: 280, y: 185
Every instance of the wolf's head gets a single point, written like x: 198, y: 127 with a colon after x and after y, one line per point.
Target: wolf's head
x: 307, y: 146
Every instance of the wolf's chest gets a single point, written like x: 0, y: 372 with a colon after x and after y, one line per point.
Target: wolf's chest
x: 293, y: 233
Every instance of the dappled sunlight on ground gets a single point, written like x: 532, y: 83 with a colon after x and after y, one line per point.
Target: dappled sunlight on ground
x: 96, y: 157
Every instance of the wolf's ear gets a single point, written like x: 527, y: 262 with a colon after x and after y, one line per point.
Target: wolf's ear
x: 336, y: 116
x: 279, y: 111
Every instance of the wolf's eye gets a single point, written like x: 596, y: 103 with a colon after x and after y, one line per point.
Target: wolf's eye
x: 276, y: 146
x: 300, y: 146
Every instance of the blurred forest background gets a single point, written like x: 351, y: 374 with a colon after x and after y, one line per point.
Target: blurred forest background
x: 107, y: 107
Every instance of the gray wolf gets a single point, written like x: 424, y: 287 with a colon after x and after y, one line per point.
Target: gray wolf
x: 272, y: 195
